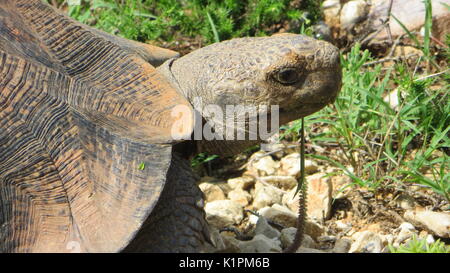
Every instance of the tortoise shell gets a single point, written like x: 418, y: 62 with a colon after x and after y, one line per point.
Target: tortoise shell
x: 81, y: 113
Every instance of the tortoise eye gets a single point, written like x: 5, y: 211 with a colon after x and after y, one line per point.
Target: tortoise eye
x: 287, y: 76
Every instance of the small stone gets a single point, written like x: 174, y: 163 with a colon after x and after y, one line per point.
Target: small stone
x: 403, y: 236
x: 260, y: 244
x: 240, y: 196
x: 405, y: 201
x: 342, y: 245
x: 212, y: 192
x: 407, y: 230
x: 262, y: 227
x: 353, y: 12
x: 277, y: 149
x: 341, y: 225
x: 407, y: 227
x: 223, y: 185
x: 387, y: 239
x: 375, y: 227
x: 231, y: 244
x: 326, y: 238
x: 366, y: 242
x: 320, y: 197
x: 341, y: 187
x: 253, y: 219
x: 290, y: 165
x: 280, y: 215
x: 285, y: 217
x: 429, y: 239
x: 222, y: 213
x: 331, y: 10
x: 262, y: 166
x: 266, y: 196
x: 244, y: 182
x: 437, y: 223
x: 308, y: 242
x: 281, y: 182
x: 288, y: 235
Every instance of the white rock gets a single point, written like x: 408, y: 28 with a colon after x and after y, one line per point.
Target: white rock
x: 407, y: 227
x: 285, y: 217
x: 429, y: 239
x: 262, y: 227
x: 231, y: 244
x: 412, y: 16
x: 266, y: 196
x: 276, y: 149
x: 392, y: 99
x: 353, y: 12
x: 244, y: 182
x: 331, y: 10
x: 212, y: 192
x: 281, y: 182
x: 403, y: 236
x: 253, y: 219
x: 290, y: 165
x: 288, y: 235
x: 342, y: 245
x: 435, y: 222
x: 320, y: 190
x: 262, y: 166
x: 327, y: 4
x: 366, y: 242
x: 341, y: 225
x: 340, y: 184
x: 387, y: 239
x: 327, y: 238
x: 240, y: 196
x: 222, y: 213
x: 405, y: 201
x: 280, y: 215
x: 260, y: 244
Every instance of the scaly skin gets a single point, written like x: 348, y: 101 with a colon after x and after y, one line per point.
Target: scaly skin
x: 246, y: 71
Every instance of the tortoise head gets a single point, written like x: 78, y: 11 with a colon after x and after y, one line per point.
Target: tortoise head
x: 296, y: 73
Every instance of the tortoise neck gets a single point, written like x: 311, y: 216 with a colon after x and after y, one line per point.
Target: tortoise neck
x: 184, y: 77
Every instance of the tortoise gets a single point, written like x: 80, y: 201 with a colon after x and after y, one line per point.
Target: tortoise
x: 93, y: 155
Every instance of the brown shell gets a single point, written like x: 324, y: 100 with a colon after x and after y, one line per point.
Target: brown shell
x: 80, y: 112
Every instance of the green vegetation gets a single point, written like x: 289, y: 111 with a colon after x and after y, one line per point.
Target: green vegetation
x: 201, y: 159
x: 380, y: 142
x: 212, y: 20
x: 416, y: 245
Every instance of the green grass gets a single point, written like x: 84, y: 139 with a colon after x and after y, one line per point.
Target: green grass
x: 416, y: 245
x: 384, y: 146
x: 211, y: 20
x: 381, y: 145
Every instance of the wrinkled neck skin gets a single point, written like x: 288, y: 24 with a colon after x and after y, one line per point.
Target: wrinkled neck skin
x: 182, y: 79
x: 188, y: 82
